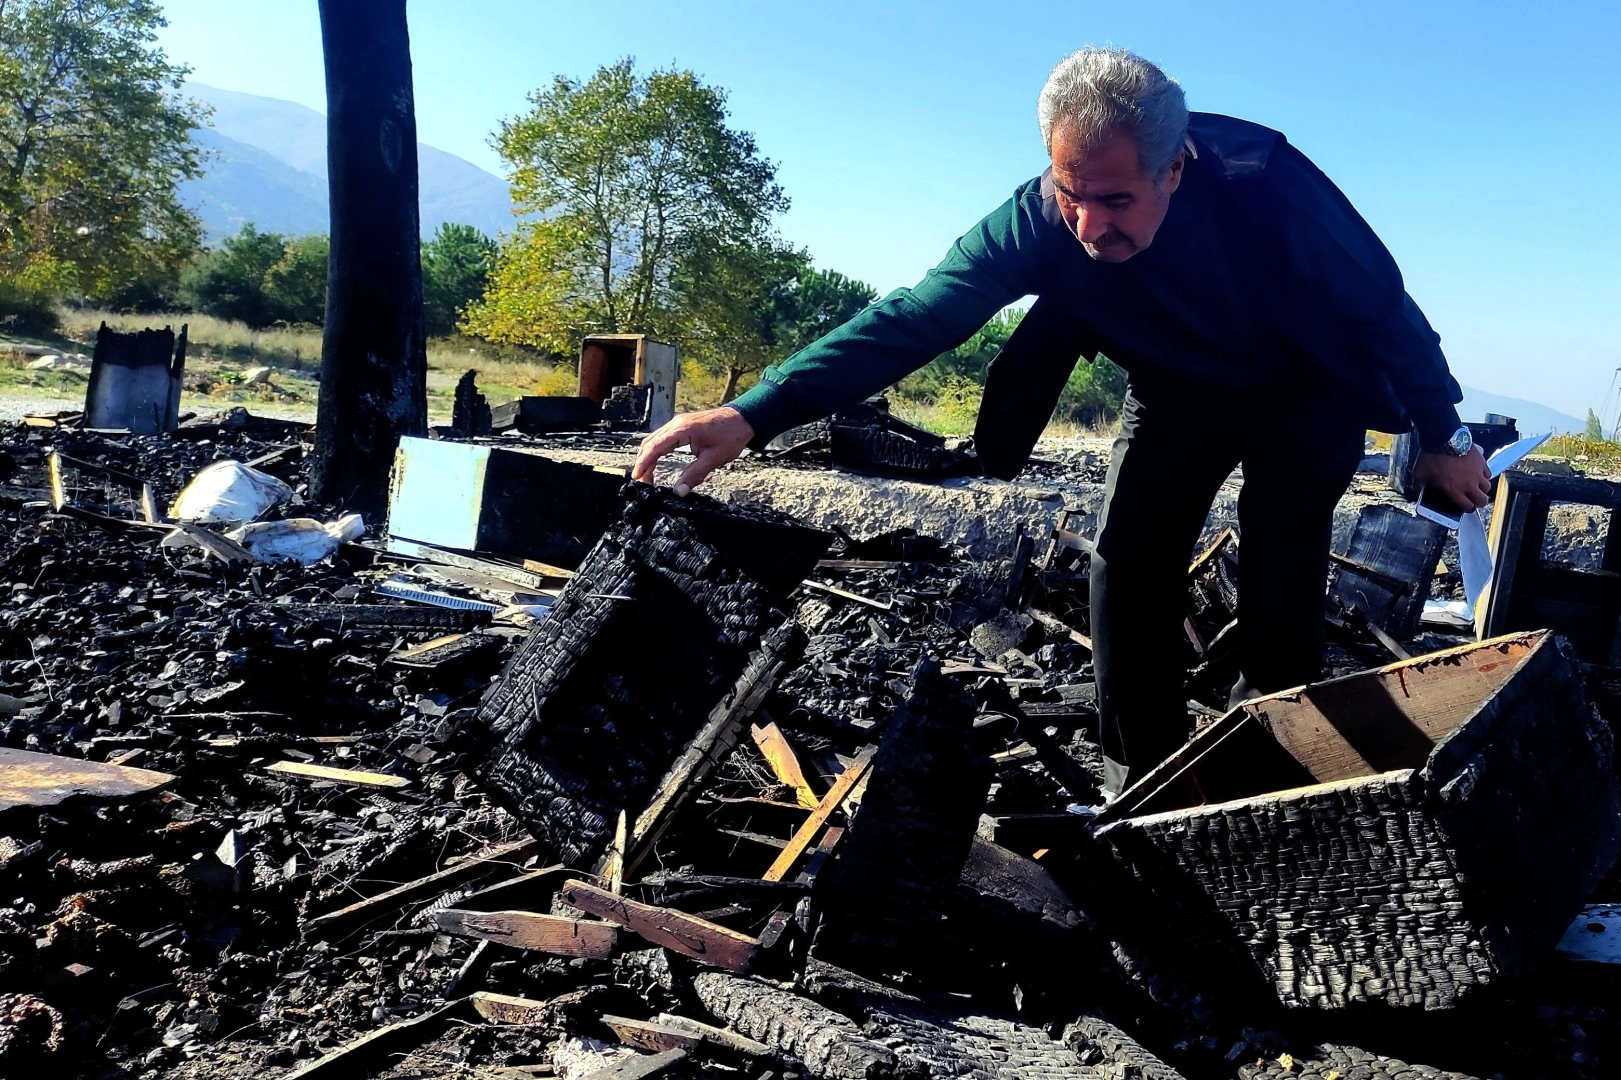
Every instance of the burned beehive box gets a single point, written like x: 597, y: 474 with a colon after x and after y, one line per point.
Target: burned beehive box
x: 652, y: 631
x: 911, y: 836
x: 1383, y: 571
x: 867, y: 439
x: 479, y: 498
x: 1401, y: 835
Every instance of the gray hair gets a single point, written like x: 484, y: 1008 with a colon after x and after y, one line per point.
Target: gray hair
x: 1102, y: 91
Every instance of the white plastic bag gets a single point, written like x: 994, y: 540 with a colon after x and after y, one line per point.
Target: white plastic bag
x: 229, y: 491
x: 303, y: 540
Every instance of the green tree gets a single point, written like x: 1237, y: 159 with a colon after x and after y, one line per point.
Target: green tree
x: 821, y: 301
x: 749, y: 303
x: 93, y: 141
x: 230, y: 283
x: 456, y: 267
x: 622, y: 176
x: 970, y: 360
x: 1595, y: 427
x: 295, y: 286
x: 1093, y: 393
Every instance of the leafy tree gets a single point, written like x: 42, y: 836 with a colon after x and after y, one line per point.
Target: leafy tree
x: 295, y: 286
x: 969, y: 360
x: 1595, y: 427
x: 230, y: 283
x: 624, y: 177
x: 93, y: 140
x: 456, y: 267
x: 260, y: 278
x: 1093, y: 393
x: 822, y: 300
x: 749, y: 303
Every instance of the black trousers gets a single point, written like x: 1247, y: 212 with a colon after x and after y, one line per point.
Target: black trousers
x: 1177, y: 444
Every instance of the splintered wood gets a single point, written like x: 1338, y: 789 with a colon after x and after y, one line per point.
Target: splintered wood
x: 779, y: 754
x: 806, y: 833
x: 674, y: 930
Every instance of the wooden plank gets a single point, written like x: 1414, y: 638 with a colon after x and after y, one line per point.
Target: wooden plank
x: 639, y: 1066
x: 778, y: 649
x: 861, y: 564
x: 1390, y: 718
x: 510, y: 1009
x: 1059, y: 626
x: 358, y: 777
x: 38, y: 780
x: 1574, y: 489
x: 821, y: 853
x: 666, y: 1032
x: 558, y: 935
x: 649, y: 1034
x: 1507, y: 531
x: 423, y: 888
x: 813, y: 824
x: 615, y: 872
x: 674, y: 930
x: 779, y: 754
x: 845, y: 594
x: 364, y: 1056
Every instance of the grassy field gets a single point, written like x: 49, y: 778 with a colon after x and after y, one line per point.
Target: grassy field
x: 220, y: 353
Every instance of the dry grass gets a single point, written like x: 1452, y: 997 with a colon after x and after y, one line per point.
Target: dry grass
x: 504, y: 373
x: 1580, y: 449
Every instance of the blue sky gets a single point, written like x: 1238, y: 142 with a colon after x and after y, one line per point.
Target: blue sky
x: 1480, y: 139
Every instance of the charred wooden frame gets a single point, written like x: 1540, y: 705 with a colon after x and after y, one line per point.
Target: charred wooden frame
x: 1526, y: 592
x: 1402, y: 835
x: 654, y: 629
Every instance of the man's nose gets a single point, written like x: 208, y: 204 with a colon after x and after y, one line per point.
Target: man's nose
x: 1090, y: 224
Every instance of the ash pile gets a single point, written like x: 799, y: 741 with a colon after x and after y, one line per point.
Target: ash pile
x: 555, y: 775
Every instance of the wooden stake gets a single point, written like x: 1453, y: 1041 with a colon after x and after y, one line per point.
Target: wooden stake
x: 339, y: 776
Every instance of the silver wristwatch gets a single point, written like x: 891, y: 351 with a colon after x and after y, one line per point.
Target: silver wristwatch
x: 1459, y: 444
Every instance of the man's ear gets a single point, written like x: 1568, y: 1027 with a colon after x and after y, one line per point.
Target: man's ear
x: 1173, y: 175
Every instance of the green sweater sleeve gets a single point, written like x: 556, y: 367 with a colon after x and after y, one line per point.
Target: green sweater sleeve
x: 995, y: 263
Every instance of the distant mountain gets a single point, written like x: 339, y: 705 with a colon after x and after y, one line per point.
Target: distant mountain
x: 1533, y: 419
x: 269, y: 167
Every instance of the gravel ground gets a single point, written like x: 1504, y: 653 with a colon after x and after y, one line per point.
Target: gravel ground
x: 14, y: 407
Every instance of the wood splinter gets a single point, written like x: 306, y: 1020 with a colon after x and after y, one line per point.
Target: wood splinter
x: 674, y: 930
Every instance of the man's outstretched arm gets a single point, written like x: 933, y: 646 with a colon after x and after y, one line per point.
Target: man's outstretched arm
x: 994, y: 264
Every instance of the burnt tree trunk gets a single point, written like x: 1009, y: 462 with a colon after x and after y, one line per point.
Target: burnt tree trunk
x: 373, y: 354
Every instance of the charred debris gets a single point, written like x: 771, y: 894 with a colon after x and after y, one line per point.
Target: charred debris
x: 616, y: 785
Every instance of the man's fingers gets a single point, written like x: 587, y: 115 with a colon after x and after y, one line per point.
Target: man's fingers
x: 654, y: 447
x: 696, y: 473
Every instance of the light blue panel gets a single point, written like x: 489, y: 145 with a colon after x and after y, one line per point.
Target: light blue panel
x: 437, y: 492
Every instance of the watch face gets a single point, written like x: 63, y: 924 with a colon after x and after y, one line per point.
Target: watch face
x: 1461, y: 442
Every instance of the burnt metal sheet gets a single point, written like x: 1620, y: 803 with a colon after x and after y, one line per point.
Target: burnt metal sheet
x: 30, y: 779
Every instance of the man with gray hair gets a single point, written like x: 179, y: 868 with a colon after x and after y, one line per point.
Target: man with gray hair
x: 1261, y: 323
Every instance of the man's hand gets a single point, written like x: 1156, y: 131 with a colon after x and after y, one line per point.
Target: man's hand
x: 716, y: 436
x: 1465, y: 480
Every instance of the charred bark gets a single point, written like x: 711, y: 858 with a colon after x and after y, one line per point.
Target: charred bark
x: 373, y: 353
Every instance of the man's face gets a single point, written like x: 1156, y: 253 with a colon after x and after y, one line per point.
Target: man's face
x: 1107, y: 201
